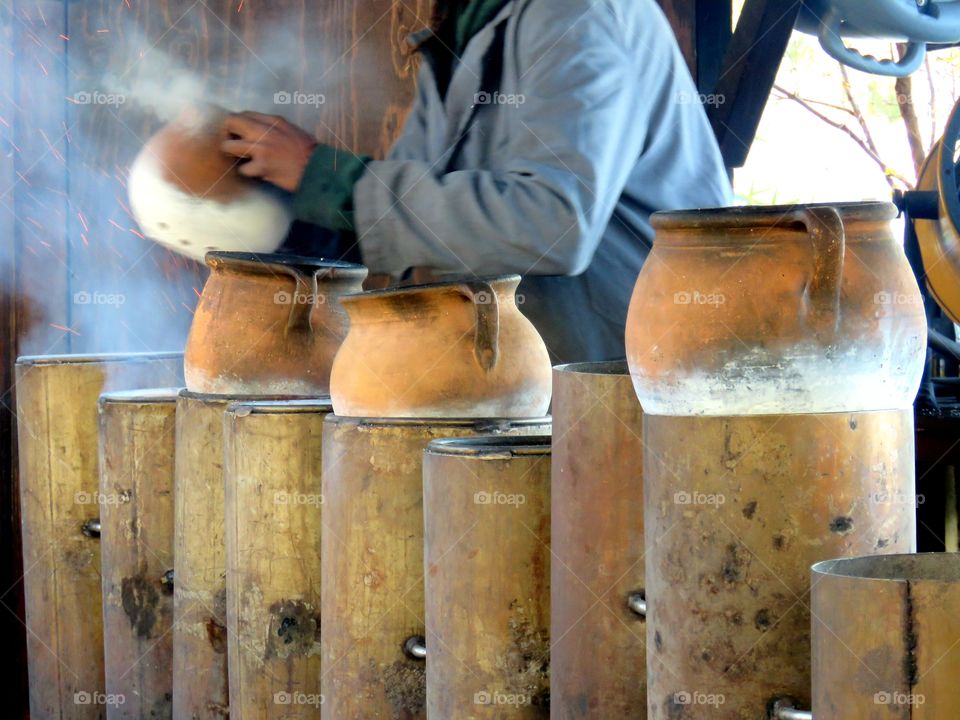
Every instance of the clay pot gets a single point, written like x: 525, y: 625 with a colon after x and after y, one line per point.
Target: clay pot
x: 794, y: 309
x: 189, y: 196
x: 268, y: 324
x: 453, y: 350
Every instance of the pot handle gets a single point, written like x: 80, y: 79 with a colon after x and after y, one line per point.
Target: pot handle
x: 825, y: 227
x: 487, y: 337
x: 305, y: 289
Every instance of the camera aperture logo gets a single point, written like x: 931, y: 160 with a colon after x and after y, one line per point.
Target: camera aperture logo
x: 898, y: 698
x: 499, y: 498
x: 284, y: 497
x: 82, y: 697
x: 297, y: 698
x: 698, y: 498
x: 685, y: 697
x: 485, y: 697
x: 297, y: 97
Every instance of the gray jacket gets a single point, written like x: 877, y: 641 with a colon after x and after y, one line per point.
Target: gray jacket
x: 565, y: 125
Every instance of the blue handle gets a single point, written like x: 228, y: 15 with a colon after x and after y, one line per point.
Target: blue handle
x: 833, y: 44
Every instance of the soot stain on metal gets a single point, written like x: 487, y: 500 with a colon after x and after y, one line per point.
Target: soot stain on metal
x: 910, y: 639
x: 294, y: 629
x: 762, y: 620
x: 779, y: 542
x: 139, y: 599
x: 733, y: 563
x: 163, y: 707
x: 841, y: 525
x: 658, y: 641
x: 527, y: 661
x: 216, y: 624
x: 405, y: 683
x: 750, y: 509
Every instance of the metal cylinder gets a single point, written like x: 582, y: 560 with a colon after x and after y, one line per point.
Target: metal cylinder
x: 886, y: 637
x: 372, y: 560
x: 736, y: 511
x: 200, y: 683
x: 137, y: 435
x: 59, y: 492
x: 273, y: 500
x: 598, y: 659
x: 486, y: 507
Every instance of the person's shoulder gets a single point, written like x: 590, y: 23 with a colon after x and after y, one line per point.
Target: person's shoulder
x: 633, y: 18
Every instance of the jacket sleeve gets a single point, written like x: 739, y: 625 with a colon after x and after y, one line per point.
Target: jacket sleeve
x: 542, y: 203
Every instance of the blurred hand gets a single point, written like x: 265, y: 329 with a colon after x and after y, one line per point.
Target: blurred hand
x: 276, y: 151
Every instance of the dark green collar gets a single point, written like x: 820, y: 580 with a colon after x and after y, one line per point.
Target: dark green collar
x: 472, y: 18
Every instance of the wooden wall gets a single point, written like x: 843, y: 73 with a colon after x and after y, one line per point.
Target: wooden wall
x: 65, y: 230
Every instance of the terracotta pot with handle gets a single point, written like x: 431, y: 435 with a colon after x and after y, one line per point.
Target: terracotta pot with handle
x: 457, y: 349
x: 770, y: 310
x: 269, y: 324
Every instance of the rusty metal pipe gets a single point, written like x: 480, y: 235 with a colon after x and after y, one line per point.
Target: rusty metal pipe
x: 598, y: 658
x: 886, y: 637
x: 137, y: 434
x: 372, y: 566
x: 737, y: 509
x: 59, y: 483
x: 274, y: 529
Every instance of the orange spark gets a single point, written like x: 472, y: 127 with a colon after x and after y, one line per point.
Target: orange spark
x: 83, y: 222
x: 138, y: 234
x: 65, y: 329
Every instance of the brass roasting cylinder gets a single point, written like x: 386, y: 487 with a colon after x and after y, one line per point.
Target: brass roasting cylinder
x: 137, y: 434
x: 200, y: 684
x: 274, y: 503
x: 59, y: 493
x: 372, y: 560
x: 486, y: 506
x: 886, y: 637
x: 737, y: 509
x: 598, y: 659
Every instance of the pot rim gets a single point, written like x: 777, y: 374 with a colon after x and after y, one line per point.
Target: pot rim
x: 603, y: 368
x: 267, y: 263
x: 482, y: 425
x: 321, y: 405
x: 493, y: 446
x: 902, y: 567
x: 767, y: 216
x: 430, y: 288
x: 147, y: 396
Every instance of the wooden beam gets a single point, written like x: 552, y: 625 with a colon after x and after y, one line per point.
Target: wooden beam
x: 750, y: 68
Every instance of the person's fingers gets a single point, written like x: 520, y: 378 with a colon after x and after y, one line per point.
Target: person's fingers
x: 245, y: 127
x: 252, y: 168
x: 269, y: 120
x: 238, y: 148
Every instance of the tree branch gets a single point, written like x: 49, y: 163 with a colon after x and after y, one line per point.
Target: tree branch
x: 889, y: 173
